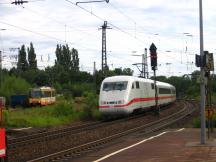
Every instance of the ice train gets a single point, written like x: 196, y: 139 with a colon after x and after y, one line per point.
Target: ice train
x: 122, y: 95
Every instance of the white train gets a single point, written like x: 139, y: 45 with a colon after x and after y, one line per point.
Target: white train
x: 122, y: 95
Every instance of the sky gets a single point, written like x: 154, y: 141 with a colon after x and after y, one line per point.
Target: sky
x: 172, y: 25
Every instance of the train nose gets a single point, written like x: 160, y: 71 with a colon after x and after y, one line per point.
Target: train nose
x: 112, y: 110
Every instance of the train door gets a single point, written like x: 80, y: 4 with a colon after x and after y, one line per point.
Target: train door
x: 138, y: 94
x: 152, y: 94
x: 146, y: 94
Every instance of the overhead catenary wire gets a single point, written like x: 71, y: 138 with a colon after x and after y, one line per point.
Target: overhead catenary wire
x: 34, y: 32
x: 90, y: 12
x: 44, y: 35
x: 59, y: 22
x: 129, y: 18
x: 111, y: 24
x: 20, y: 1
x: 68, y: 26
x: 98, y: 50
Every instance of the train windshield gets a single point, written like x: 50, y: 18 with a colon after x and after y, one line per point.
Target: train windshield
x: 35, y: 94
x: 111, y: 86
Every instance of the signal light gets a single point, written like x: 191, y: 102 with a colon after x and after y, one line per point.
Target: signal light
x: 198, y: 60
x: 153, y: 56
x: 206, y: 61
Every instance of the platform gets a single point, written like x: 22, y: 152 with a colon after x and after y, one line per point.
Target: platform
x: 175, y: 145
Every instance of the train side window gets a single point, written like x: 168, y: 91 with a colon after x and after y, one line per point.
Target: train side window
x: 152, y: 85
x: 164, y: 91
x: 132, y: 85
x: 137, y: 85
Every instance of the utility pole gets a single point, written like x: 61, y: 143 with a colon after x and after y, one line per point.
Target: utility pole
x: 202, y: 80
x: 1, y: 73
x: 0, y: 69
x: 153, y: 55
x: 144, y: 65
x: 146, y: 73
x: 94, y: 75
x: 104, y: 66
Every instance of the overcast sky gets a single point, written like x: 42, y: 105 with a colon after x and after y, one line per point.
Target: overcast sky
x: 135, y: 25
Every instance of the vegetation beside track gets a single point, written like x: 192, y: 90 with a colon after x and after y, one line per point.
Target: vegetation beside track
x: 196, y: 120
x: 64, y: 112
x: 65, y: 76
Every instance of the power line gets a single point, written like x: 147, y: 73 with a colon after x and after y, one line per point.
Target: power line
x: 129, y: 18
x: 34, y: 32
x: 98, y: 17
x: 64, y: 26
x: 44, y: 35
x: 59, y: 22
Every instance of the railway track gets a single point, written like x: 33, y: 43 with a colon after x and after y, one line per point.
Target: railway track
x: 29, y: 139
x: 43, y: 136
x: 31, y: 146
x: 146, y: 128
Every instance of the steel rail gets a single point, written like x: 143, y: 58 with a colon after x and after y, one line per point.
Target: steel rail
x: 43, y: 136
x: 147, y: 128
x: 37, y: 136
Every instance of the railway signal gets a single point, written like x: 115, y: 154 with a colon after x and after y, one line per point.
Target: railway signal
x: 206, y: 61
x: 209, y: 112
x: 153, y: 55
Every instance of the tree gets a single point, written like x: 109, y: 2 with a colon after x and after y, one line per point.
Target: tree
x: 127, y: 71
x: 195, y: 75
x: 22, y: 64
x: 75, y: 60
x: 67, y: 58
x: 119, y: 71
x: 32, y: 58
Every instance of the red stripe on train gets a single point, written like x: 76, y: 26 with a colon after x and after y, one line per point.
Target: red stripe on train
x: 139, y: 100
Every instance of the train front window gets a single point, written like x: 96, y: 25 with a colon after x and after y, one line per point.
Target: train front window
x: 111, y: 86
x: 46, y: 93
x: 36, y: 94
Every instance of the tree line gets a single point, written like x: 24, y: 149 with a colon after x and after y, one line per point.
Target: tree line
x: 65, y: 75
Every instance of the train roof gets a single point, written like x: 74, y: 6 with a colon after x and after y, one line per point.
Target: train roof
x: 45, y: 88
x: 132, y: 78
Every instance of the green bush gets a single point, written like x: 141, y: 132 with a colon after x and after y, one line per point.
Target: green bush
x: 78, y: 89
x: 63, y: 108
x: 58, y: 114
x: 12, y: 85
x: 196, y: 122
x: 63, y: 112
x: 90, y: 108
x: 5, y: 117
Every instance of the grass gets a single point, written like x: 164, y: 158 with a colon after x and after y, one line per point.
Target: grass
x: 58, y: 114
x: 196, y: 121
x: 63, y: 112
